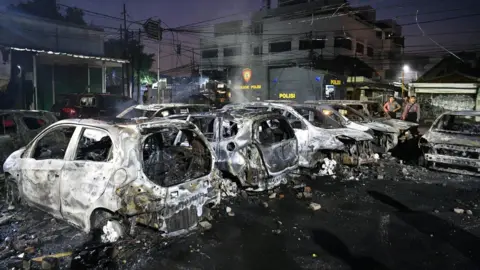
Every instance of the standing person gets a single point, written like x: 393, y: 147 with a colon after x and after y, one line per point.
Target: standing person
x: 411, y: 112
x: 391, y: 107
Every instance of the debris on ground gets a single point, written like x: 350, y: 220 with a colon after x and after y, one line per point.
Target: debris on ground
x: 469, y: 212
x: 272, y: 196
x: 229, y: 211
x: 265, y: 204
x: 112, y: 232
x: 5, y: 219
x: 205, y: 225
x: 458, y: 210
x: 315, y: 206
x: 328, y: 167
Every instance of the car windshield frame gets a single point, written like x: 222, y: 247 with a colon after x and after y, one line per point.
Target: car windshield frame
x: 315, y: 113
x: 440, y: 124
x: 134, y: 109
x: 364, y: 117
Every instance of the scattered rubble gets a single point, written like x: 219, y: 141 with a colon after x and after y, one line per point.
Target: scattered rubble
x: 328, y: 167
x: 272, y: 196
x: 469, y: 212
x: 315, y: 206
x: 112, y: 232
x: 205, y: 225
x: 458, y: 210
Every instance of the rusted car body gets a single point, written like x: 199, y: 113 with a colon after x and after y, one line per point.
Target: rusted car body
x: 257, y: 149
x: 84, y: 170
x: 374, y: 110
x: 317, y: 140
x: 162, y: 110
x: 452, y: 143
x: 19, y: 127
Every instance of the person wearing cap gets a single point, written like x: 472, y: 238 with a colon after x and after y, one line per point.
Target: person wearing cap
x: 391, y: 107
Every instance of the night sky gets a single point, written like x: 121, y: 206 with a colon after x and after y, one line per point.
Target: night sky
x: 451, y: 34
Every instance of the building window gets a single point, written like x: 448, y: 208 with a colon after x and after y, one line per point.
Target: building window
x: 234, y: 51
x: 210, y: 53
x: 258, y: 50
x: 342, y: 42
x: 360, y: 48
x: 370, y: 51
x: 311, y: 44
x: 280, y: 46
x: 258, y: 28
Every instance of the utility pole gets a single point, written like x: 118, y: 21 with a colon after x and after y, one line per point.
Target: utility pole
x: 158, y: 61
x: 139, y: 65
x: 124, y: 65
x: 127, y: 73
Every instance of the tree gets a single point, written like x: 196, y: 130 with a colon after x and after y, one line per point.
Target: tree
x: 48, y: 9
x: 75, y: 15
x: 138, y: 58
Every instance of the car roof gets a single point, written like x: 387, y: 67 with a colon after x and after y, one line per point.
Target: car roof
x: 156, y: 107
x: 112, y: 124
x: 463, y: 113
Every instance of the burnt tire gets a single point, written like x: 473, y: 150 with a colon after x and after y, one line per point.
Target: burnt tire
x: 12, y: 192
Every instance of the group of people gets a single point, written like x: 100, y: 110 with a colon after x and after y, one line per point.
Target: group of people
x: 411, y: 109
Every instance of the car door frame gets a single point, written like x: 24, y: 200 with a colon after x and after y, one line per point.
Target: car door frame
x: 275, y: 146
x: 30, y: 167
x: 91, y: 179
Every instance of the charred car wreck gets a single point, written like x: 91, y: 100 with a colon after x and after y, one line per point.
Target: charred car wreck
x: 162, y: 110
x: 19, y: 127
x: 256, y: 149
x: 452, y: 143
x: 405, y: 129
x: 385, y: 136
x: 90, y: 171
x: 319, y: 137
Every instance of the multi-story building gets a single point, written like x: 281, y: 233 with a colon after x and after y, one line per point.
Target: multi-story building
x: 327, y: 35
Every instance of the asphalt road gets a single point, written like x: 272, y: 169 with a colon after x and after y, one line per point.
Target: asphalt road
x: 390, y: 216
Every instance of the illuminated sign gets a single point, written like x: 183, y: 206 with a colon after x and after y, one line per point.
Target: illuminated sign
x: 335, y: 82
x: 286, y: 95
x: 251, y: 87
x: 246, y: 74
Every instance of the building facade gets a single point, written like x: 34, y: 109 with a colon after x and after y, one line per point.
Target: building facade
x: 48, y: 58
x: 311, y: 34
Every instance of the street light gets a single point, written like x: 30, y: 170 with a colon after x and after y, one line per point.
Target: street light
x: 406, y: 68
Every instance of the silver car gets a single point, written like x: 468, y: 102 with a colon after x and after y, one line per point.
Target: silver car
x: 257, y: 149
x: 90, y: 171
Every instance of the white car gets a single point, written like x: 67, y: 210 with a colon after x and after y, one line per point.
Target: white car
x: 317, y: 138
x: 89, y: 171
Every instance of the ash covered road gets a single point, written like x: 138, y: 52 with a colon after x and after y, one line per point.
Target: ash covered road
x: 404, y: 221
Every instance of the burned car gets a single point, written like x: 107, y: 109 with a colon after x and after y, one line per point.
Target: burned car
x: 374, y: 110
x: 162, y: 110
x: 20, y: 127
x: 386, y: 136
x: 452, y: 143
x: 319, y: 137
x: 90, y: 172
x: 256, y: 149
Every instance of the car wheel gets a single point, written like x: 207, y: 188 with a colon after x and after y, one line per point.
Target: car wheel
x: 12, y: 193
x: 106, y: 227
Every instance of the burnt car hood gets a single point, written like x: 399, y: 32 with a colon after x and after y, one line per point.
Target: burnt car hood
x: 378, y: 126
x: 351, y: 133
x: 435, y: 137
x: 398, y: 124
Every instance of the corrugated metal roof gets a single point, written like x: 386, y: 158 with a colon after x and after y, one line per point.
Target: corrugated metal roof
x: 106, y: 59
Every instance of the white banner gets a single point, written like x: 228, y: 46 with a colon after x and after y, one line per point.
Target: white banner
x: 5, y: 67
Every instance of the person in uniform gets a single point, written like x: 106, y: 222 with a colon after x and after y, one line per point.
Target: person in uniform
x: 391, y: 107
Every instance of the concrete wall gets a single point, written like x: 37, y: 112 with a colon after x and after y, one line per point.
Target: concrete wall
x: 432, y: 105
x: 36, y: 33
